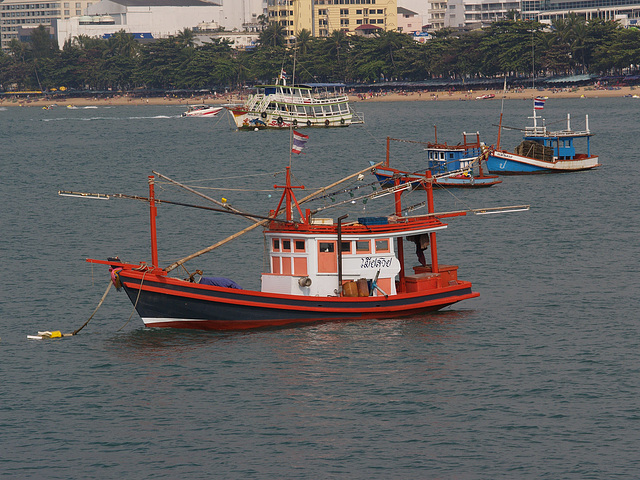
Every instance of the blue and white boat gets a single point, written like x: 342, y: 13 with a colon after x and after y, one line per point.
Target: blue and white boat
x: 543, y: 150
x: 450, y: 165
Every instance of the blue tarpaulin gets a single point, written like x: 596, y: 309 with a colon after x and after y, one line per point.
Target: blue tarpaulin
x: 219, y: 282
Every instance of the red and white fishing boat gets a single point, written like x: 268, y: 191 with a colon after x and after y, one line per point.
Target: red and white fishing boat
x: 202, y: 111
x: 320, y: 269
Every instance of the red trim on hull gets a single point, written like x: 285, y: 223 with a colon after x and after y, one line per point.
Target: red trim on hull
x: 221, y: 325
x: 337, y: 309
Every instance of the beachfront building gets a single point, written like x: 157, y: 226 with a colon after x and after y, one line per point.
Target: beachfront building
x: 245, y: 39
x: 471, y: 14
x: 149, y: 19
x: 436, y: 14
x: 408, y: 21
x: 627, y: 12
x: 19, y: 17
x: 321, y: 17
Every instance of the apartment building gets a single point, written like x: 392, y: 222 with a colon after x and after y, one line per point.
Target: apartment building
x: 18, y: 16
x: 469, y: 14
x: 321, y: 17
x: 546, y: 11
x: 100, y: 18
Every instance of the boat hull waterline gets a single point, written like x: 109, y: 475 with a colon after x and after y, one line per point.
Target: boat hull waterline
x: 385, y: 177
x: 166, y: 302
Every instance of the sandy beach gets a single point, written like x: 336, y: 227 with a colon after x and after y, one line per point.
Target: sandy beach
x: 474, y: 95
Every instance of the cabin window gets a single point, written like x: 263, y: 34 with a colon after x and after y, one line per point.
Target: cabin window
x: 345, y: 247
x: 299, y: 245
x: 363, y: 246
x: 382, y: 246
x: 276, y: 244
x: 327, y: 247
x: 286, y: 245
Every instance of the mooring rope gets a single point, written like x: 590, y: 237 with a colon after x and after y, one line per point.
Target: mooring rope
x: 94, y: 312
x: 135, y: 304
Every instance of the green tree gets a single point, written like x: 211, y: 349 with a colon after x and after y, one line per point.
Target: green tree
x: 185, y: 38
x: 272, y: 36
x: 304, y: 41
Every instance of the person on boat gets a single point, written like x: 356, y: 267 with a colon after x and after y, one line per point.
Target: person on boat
x: 422, y: 243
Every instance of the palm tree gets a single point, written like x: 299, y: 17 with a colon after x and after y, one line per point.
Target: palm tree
x: 123, y: 44
x: 303, y: 41
x: 185, y: 38
x: 272, y: 36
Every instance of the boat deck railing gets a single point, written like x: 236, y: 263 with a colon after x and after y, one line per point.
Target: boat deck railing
x: 280, y: 98
x: 539, y: 131
x: 357, y: 117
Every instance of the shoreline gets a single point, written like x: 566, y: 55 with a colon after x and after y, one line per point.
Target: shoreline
x: 469, y: 95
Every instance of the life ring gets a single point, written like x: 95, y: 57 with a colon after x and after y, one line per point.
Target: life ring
x: 342, y: 121
x: 308, y: 123
x: 295, y: 123
x: 326, y: 123
x: 279, y: 120
x: 263, y: 114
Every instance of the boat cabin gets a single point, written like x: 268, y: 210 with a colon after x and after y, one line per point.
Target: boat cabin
x: 443, y: 158
x: 560, y: 141
x: 309, y: 264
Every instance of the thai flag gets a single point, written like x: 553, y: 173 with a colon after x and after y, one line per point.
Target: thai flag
x: 538, y: 103
x: 299, y: 141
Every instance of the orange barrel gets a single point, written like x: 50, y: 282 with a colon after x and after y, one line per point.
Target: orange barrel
x: 363, y: 287
x: 350, y: 289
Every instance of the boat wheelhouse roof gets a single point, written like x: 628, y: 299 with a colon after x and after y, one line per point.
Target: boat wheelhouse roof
x: 389, y: 227
x: 305, y: 86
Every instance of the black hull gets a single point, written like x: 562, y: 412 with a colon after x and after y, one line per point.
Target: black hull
x: 163, y: 302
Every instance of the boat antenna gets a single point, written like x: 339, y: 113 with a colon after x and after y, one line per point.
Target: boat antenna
x: 533, y: 61
x: 293, y: 82
x: 500, y: 124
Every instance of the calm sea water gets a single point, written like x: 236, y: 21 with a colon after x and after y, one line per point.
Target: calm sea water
x: 536, y: 378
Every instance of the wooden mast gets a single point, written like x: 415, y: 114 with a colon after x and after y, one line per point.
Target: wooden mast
x: 432, y: 235
x: 399, y: 242
x: 153, y: 212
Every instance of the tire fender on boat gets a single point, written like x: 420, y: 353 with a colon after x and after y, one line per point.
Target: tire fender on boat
x: 263, y: 114
x: 326, y: 123
x: 342, y: 121
x: 308, y: 123
x: 279, y: 120
x: 295, y: 123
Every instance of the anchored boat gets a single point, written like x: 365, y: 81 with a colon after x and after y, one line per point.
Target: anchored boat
x: 450, y: 165
x: 285, y: 106
x: 319, y: 268
x: 543, y: 150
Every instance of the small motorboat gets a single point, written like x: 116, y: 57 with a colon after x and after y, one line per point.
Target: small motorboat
x: 202, y: 111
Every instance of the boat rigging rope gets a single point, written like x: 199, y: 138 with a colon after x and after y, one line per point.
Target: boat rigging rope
x: 190, y: 183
